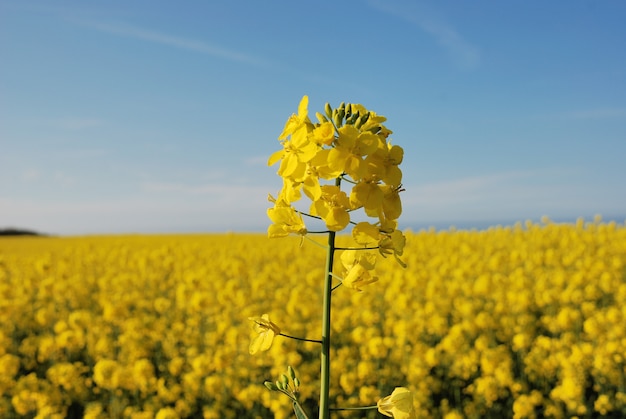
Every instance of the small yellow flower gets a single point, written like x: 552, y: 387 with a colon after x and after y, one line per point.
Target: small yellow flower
x: 286, y: 220
x: 398, y: 405
x: 324, y: 134
x: 266, y: 331
x: 332, y: 207
x: 357, y: 277
x: 366, y: 234
x: 357, y: 265
x: 295, y: 122
x: 369, y: 195
x: 392, y: 205
x: 393, y: 243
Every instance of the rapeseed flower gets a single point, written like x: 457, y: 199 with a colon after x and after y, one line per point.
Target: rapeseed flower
x: 471, y: 292
x: 351, y: 147
x: 286, y: 220
x: 324, y: 134
x: 332, y: 207
x: 368, y: 195
x: 266, y: 332
x: 398, y: 405
x: 357, y: 267
x: 393, y: 243
x: 297, y: 121
x: 366, y: 234
x: 297, y: 148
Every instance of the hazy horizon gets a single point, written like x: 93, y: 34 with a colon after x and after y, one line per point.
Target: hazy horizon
x: 414, y: 227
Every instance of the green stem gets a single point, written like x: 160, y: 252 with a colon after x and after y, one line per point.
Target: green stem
x: 315, y: 242
x: 297, y: 338
x: 325, y: 358
x: 355, y: 408
x: 357, y: 248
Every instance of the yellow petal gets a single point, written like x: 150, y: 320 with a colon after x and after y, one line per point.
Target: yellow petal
x: 337, y: 219
x: 302, y: 107
x: 275, y: 157
x: 365, y: 233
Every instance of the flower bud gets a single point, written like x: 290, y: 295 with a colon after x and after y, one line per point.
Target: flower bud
x: 328, y: 110
x: 362, y: 120
x: 352, y: 108
x: 291, y: 372
x: 321, y: 117
x: 342, y: 110
x: 285, y: 380
x: 271, y: 386
x: 279, y: 385
x: 338, y: 119
x: 353, y: 118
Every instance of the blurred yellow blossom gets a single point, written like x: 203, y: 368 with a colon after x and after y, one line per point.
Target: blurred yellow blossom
x: 550, y: 294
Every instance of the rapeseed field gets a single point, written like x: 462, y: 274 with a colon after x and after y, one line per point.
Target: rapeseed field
x: 524, y: 321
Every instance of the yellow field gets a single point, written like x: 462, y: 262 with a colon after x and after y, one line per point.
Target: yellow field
x: 509, y: 322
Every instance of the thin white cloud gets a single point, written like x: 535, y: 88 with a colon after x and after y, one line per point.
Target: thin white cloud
x: 50, y: 179
x: 193, y: 45
x: 214, y: 206
x: 218, y: 192
x: 510, y: 195
x: 182, y: 188
x: 446, y: 195
x: 63, y: 179
x: 30, y: 175
x: 256, y: 161
x: 461, y: 51
x: 143, y: 213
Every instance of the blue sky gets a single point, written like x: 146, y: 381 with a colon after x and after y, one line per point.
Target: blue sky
x: 159, y: 116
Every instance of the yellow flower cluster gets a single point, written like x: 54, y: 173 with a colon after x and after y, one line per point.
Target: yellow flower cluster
x: 513, y: 322
x: 351, y: 144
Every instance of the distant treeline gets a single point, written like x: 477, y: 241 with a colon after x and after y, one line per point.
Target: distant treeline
x: 19, y: 232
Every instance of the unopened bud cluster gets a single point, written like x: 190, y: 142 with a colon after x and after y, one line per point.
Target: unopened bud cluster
x: 287, y: 384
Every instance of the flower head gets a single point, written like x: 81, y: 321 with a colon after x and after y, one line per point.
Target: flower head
x: 398, y: 405
x: 266, y: 331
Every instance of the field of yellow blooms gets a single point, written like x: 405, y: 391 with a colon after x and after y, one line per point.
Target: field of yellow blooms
x: 524, y: 321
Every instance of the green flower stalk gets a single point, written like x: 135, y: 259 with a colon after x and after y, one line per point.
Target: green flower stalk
x: 347, y: 143
x: 326, y: 311
x: 289, y: 385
